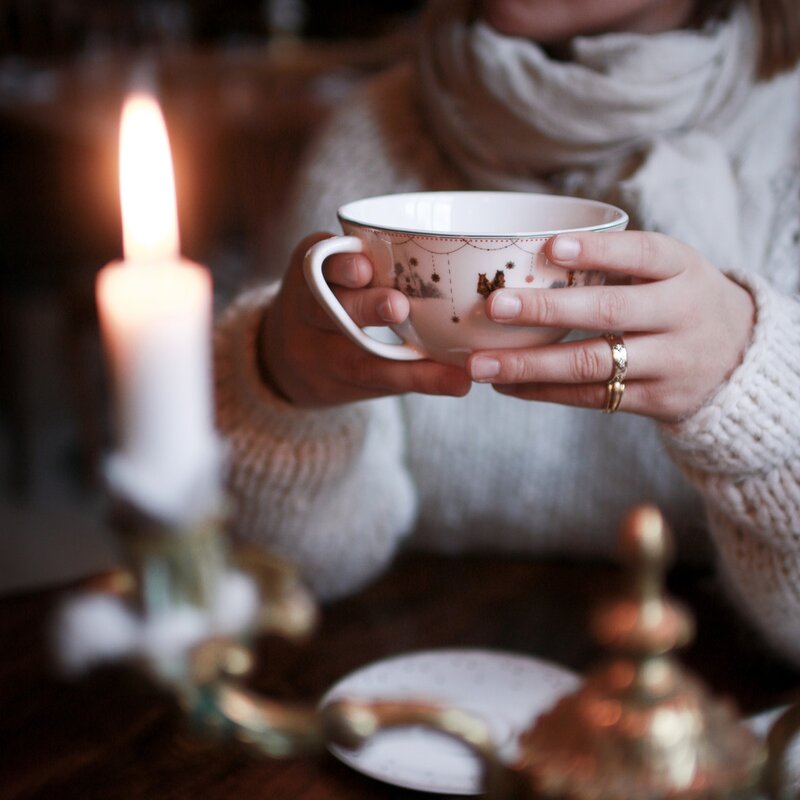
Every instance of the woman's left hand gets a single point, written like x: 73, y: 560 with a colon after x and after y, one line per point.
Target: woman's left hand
x: 685, y: 327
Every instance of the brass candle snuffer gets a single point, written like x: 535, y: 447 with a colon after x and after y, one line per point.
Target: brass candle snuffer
x: 639, y: 727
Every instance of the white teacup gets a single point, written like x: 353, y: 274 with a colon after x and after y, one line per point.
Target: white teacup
x: 447, y: 251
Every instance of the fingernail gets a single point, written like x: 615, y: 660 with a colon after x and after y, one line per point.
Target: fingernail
x: 384, y: 310
x: 484, y: 368
x: 506, y: 306
x: 565, y: 248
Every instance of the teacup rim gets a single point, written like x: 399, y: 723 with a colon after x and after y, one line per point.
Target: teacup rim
x: 620, y: 222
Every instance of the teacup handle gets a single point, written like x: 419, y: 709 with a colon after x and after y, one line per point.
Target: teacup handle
x: 312, y: 268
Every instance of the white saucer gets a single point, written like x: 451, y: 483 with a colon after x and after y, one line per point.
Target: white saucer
x: 506, y: 689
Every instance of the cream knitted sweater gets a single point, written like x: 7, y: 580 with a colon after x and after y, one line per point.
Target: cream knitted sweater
x: 340, y: 490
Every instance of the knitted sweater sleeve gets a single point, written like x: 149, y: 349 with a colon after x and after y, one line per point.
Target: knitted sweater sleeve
x: 742, y: 450
x: 326, y: 489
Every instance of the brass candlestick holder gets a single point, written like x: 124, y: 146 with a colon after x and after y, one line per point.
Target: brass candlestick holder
x: 638, y: 728
x: 180, y: 576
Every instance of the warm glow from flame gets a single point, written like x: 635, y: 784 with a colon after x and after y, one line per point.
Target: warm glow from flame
x: 147, y: 185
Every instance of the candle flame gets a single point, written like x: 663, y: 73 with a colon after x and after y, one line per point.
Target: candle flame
x: 147, y: 184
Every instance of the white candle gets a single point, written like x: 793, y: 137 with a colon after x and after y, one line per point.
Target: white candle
x: 155, y: 317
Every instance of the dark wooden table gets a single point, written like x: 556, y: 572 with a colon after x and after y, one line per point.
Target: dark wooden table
x: 111, y: 734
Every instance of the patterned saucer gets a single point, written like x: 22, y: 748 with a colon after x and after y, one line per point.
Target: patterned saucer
x: 507, y: 689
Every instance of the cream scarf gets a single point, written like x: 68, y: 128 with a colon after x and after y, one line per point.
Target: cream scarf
x: 671, y: 126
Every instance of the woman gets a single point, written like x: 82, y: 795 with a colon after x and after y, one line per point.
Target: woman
x: 685, y: 113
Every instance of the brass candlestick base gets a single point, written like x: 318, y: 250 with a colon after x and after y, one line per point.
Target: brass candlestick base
x: 175, y: 586
x: 181, y: 583
x: 641, y: 727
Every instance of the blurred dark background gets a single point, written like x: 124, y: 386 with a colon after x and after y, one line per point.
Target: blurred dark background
x: 243, y: 85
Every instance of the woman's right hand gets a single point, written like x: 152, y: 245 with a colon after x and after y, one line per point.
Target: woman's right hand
x: 305, y: 357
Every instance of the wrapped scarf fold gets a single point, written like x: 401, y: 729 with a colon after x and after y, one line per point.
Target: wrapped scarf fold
x: 672, y: 126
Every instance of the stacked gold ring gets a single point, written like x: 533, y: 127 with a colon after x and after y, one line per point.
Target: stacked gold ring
x: 616, y: 383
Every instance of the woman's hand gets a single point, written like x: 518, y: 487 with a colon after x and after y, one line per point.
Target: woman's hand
x: 310, y: 363
x: 686, y: 326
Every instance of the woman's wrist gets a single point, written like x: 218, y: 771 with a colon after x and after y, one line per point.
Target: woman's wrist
x: 750, y: 426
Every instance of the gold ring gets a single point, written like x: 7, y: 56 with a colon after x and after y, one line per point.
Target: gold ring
x: 619, y: 354
x: 614, y: 391
x: 616, y: 383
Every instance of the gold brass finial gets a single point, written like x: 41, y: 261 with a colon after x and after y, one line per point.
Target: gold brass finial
x: 644, y: 621
x: 640, y: 727
x: 645, y: 539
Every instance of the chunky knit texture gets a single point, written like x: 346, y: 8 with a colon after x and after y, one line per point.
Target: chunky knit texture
x: 340, y: 490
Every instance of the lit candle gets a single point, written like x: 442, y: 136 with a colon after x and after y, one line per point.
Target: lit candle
x: 155, y: 318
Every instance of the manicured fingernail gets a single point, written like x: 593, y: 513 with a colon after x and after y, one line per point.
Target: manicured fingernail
x: 566, y: 248
x: 484, y: 368
x: 384, y: 310
x: 506, y: 306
